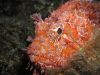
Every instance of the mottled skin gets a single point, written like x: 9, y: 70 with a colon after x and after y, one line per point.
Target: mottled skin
x: 64, y: 33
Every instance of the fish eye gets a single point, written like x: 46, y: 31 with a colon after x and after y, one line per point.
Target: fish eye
x: 59, y: 31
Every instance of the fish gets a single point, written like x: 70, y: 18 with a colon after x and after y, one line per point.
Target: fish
x: 64, y: 33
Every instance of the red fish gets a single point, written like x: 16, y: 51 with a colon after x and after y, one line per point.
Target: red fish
x: 64, y: 33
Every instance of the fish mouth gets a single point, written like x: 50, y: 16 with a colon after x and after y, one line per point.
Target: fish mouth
x: 43, y: 61
x: 52, y: 58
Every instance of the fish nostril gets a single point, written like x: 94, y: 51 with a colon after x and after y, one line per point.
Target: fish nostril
x: 59, y: 31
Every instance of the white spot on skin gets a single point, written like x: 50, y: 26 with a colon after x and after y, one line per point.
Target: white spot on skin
x: 43, y: 51
x: 66, y: 37
x: 55, y: 30
x: 32, y: 58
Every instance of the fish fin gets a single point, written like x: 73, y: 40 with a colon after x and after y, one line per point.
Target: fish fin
x: 37, y: 17
x: 29, y: 39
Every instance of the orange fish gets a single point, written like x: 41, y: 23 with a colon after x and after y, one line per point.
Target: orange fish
x: 64, y: 33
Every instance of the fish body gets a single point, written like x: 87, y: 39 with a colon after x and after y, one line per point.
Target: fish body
x: 64, y: 33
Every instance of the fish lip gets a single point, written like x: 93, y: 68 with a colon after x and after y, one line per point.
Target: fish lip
x: 48, y: 65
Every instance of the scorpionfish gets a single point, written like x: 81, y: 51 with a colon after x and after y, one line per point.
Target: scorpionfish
x: 64, y: 33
